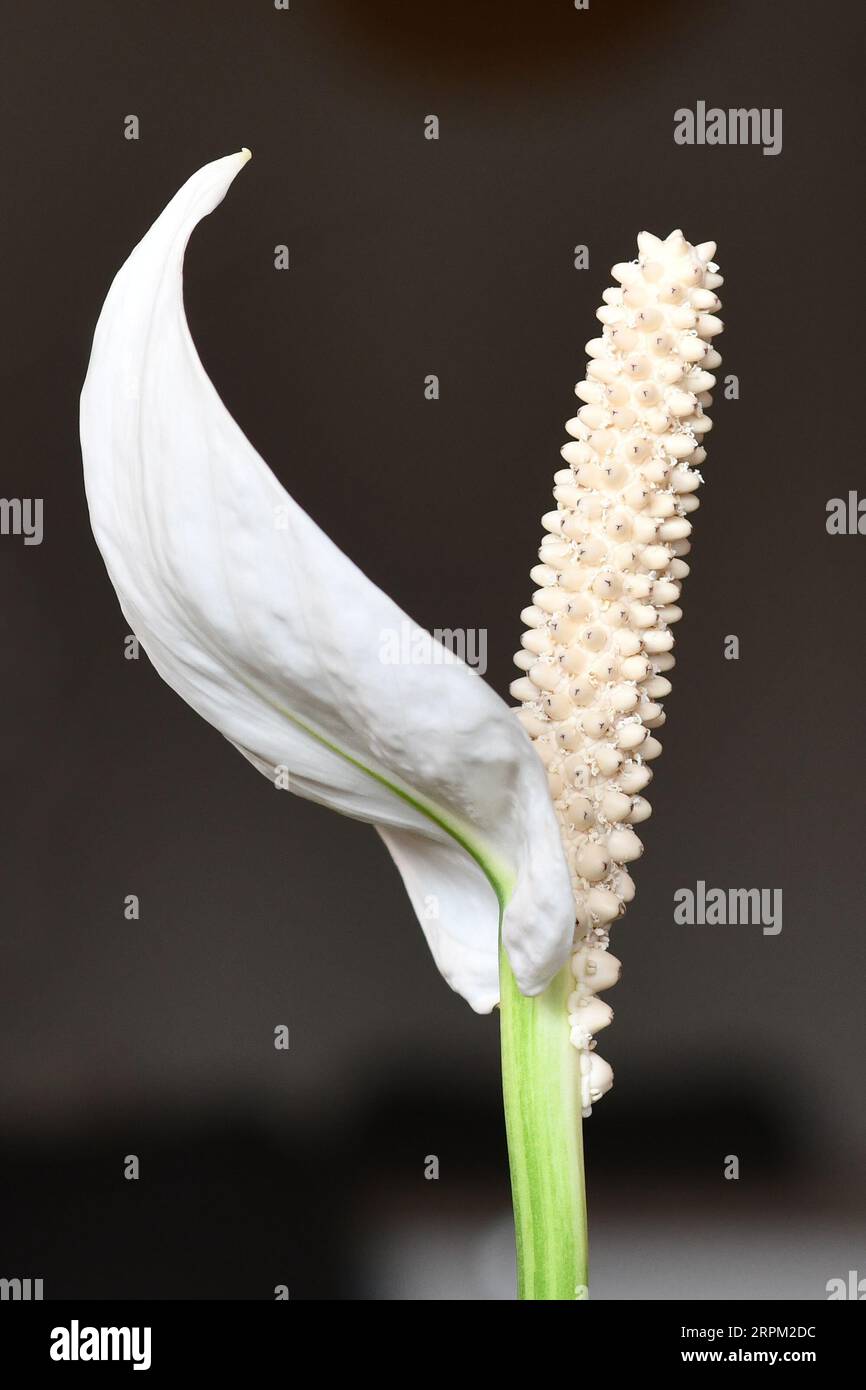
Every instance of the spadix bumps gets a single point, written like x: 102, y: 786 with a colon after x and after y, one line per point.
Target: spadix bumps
x: 598, y: 643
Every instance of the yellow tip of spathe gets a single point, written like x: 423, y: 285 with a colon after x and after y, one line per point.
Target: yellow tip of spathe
x: 247, y: 154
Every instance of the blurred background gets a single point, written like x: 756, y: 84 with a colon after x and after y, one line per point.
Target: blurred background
x: 410, y: 257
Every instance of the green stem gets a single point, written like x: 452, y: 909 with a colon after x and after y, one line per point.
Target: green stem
x: 541, y: 1090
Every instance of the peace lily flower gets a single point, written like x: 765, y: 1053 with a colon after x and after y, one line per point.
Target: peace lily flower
x: 263, y: 626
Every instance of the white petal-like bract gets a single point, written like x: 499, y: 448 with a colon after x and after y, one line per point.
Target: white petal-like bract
x: 273, y: 635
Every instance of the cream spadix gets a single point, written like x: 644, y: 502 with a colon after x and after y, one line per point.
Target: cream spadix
x: 273, y: 635
x: 612, y: 563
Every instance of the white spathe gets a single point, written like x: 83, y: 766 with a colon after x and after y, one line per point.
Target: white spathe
x: 273, y: 635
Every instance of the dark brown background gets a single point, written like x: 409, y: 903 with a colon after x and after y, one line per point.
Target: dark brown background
x: 411, y: 257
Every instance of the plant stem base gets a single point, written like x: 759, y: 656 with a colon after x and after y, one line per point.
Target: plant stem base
x: 541, y: 1091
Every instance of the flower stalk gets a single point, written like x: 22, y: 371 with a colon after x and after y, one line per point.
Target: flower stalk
x: 541, y: 1092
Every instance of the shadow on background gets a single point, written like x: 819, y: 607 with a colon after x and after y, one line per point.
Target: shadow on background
x: 496, y: 44
x: 229, y: 1207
